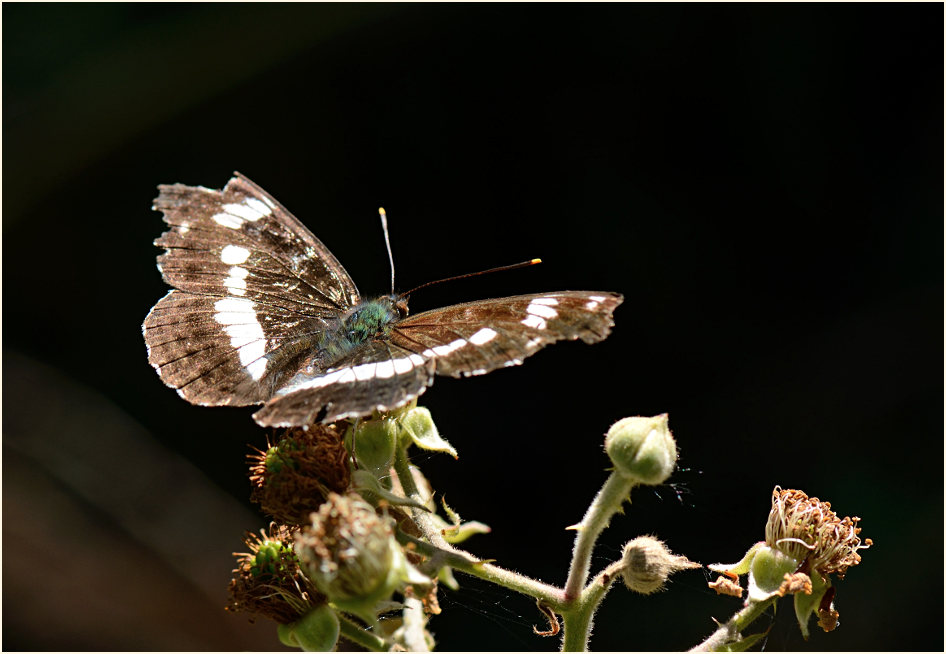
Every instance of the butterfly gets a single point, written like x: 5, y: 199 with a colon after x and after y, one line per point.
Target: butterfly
x: 263, y: 313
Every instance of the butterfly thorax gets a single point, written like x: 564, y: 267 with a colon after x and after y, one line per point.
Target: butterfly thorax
x: 363, y: 322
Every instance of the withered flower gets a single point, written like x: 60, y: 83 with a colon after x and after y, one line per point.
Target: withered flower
x: 268, y: 580
x: 292, y: 478
x: 805, y: 542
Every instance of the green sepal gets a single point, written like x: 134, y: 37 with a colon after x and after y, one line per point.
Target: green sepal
x: 365, y: 482
x: 740, y: 568
x: 368, y: 605
x: 767, y: 573
x: 316, y: 631
x: 445, y: 575
x: 806, y: 604
x: 284, y: 631
x: 742, y: 645
x: 459, y: 533
x: 417, y: 427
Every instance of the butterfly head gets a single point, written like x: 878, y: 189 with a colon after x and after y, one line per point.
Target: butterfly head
x: 373, y: 318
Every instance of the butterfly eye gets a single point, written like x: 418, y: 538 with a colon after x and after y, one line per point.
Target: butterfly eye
x: 401, y: 306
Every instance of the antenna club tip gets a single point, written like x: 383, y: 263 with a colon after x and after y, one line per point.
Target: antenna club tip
x: 535, y: 261
x: 381, y: 211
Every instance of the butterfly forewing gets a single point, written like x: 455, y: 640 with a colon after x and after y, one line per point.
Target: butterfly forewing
x: 477, y: 337
x: 253, y: 285
x: 240, y: 241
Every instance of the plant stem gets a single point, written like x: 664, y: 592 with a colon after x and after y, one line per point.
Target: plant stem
x: 358, y: 634
x: 730, y: 631
x: 413, y: 625
x: 466, y: 562
x: 578, y: 620
x: 607, y: 502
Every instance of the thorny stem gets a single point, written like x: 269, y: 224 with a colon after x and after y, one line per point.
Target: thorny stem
x: 466, y: 562
x: 578, y: 622
x: 606, y: 503
x: 730, y: 631
x: 359, y: 635
x: 443, y: 553
x: 576, y: 606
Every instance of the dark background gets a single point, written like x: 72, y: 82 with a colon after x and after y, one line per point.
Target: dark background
x: 763, y: 183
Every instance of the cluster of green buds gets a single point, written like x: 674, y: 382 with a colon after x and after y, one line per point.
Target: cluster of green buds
x: 805, y: 542
x: 331, y: 554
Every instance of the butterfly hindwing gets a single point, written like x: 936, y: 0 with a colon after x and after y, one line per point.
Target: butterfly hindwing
x: 220, y: 350
x: 378, y: 376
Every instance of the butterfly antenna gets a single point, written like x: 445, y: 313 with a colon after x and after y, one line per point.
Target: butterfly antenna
x: 387, y: 242
x: 522, y: 264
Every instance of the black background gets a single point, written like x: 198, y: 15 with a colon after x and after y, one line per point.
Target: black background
x: 763, y: 183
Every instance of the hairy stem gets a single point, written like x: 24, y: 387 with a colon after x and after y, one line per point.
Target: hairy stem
x: 578, y: 620
x: 607, y: 502
x: 358, y: 634
x: 731, y: 630
x: 414, y: 622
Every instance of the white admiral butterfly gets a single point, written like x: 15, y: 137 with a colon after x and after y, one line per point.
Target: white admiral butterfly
x: 262, y: 313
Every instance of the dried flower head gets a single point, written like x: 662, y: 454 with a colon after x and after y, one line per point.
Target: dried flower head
x: 292, y: 478
x: 805, y: 543
x: 268, y: 580
x: 806, y: 529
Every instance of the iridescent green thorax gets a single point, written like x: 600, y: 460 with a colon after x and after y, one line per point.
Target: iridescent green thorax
x: 363, y: 322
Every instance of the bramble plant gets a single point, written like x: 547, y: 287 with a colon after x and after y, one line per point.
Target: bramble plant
x: 357, y: 537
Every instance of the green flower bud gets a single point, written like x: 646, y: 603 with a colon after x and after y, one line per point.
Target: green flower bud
x: 647, y: 563
x: 347, y: 550
x: 642, y: 449
x: 316, y: 631
x: 374, y: 442
x: 350, y: 554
